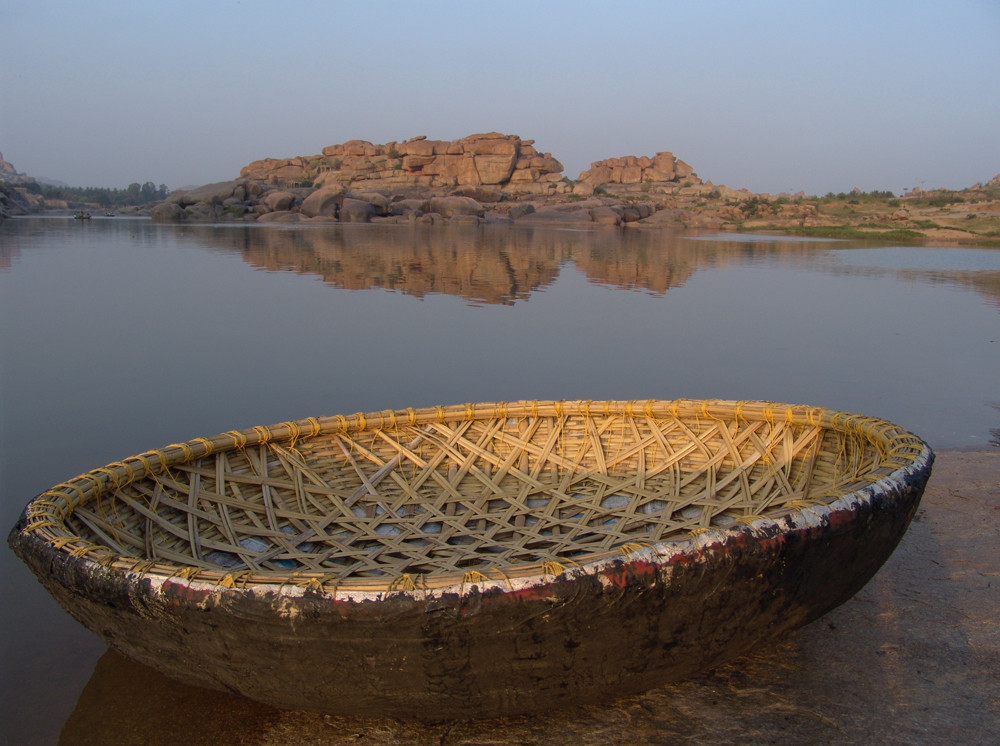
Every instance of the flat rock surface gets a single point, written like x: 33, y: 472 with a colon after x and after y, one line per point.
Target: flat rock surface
x: 914, y: 658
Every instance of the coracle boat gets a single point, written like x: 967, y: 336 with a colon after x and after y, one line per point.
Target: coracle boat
x: 476, y: 560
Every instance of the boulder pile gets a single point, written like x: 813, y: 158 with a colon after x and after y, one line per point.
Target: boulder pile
x: 662, y: 168
x: 484, y: 178
x: 504, y: 162
x: 248, y: 200
x: 15, y: 199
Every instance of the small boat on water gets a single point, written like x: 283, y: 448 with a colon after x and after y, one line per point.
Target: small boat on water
x: 82, y: 215
x: 476, y: 560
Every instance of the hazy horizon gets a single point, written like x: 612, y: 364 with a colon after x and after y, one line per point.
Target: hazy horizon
x: 770, y: 96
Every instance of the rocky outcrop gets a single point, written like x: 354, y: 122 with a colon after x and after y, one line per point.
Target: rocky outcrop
x: 356, y: 211
x: 479, y: 179
x: 217, y: 193
x: 7, y: 172
x: 168, y: 212
x: 245, y: 200
x: 505, y: 163
x: 662, y: 168
x: 599, y: 211
x: 16, y: 200
x: 10, y: 175
x: 482, y: 178
x: 323, y: 202
x: 279, y: 200
x: 449, y: 207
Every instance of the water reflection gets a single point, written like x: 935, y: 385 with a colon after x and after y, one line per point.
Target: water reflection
x: 121, y: 335
x: 978, y: 269
x: 498, y: 264
x: 127, y: 703
x: 484, y: 266
x: 503, y: 265
x: 975, y: 268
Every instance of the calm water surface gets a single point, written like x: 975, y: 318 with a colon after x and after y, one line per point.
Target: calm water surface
x: 117, y: 336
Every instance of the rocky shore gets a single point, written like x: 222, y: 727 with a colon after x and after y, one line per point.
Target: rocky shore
x: 493, y: 178
x: 503, y: 179
x: 483, y: 178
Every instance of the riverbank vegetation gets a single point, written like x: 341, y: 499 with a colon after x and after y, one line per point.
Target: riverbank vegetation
x: 133, y: 195
x: 968, y: 216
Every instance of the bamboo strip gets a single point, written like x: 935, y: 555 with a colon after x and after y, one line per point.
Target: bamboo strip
x: 491, y: 487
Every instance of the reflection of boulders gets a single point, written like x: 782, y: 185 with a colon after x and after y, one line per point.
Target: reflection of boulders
x: 480, y: 266
x: 9, y: 251
x: 491, y: 265
x: 985, y: 283
x: 483, y: 266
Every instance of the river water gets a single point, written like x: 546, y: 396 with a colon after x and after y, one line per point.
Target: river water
x: 119, y: 335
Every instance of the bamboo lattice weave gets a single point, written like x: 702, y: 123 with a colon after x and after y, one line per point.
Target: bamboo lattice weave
x: 421, y: 497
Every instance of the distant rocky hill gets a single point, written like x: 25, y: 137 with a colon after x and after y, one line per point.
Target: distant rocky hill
x: 504, y: 179
x: 663, y: 168
x: 488, y: 177
x: 14, y: 199
x: 493, y: 160
x: 490, y: 159
x: 10, y: 175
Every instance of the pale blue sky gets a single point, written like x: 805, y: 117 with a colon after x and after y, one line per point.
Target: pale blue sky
x: 772, y: 96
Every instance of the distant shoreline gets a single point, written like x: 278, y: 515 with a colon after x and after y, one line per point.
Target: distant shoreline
x: 975, y: 223
x: 494, y: 178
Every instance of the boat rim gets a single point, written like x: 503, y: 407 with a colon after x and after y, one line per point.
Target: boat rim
x: 43, y: 519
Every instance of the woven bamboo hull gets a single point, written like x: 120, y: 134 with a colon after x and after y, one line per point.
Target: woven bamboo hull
x: 494, y: 641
